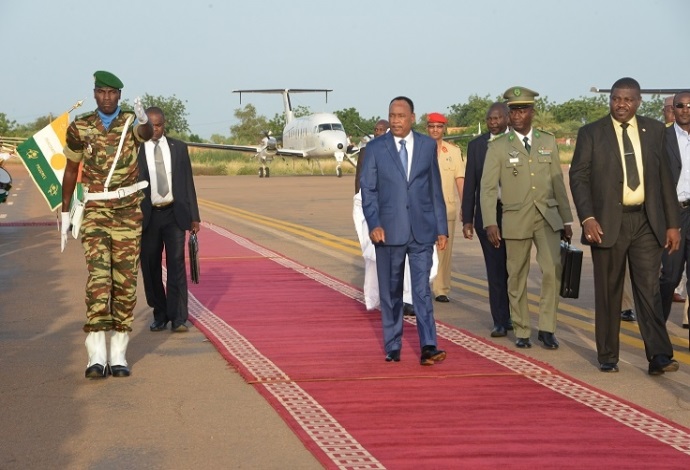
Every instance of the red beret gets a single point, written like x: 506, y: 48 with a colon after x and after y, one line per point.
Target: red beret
x: 436, y: 117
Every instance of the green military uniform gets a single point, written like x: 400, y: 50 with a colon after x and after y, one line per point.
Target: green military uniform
x: 452, y: 166
x: 111, y: 228
x: 535, y: 207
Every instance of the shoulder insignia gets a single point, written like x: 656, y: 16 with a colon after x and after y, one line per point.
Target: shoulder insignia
x: 85, y: 115
x: 537, y: 131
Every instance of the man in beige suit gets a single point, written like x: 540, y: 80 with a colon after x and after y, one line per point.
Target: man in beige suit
x: 525, y: 165
x: 452, y: 167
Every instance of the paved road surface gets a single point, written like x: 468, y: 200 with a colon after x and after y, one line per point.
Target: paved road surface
x: 184, y: 406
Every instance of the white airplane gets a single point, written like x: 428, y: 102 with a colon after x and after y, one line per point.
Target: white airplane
x: 313, y: 137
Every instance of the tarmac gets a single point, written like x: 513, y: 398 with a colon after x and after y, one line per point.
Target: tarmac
x: 184, y: 406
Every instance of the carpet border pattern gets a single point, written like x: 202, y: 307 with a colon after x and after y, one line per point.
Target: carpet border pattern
x: 337, y: 443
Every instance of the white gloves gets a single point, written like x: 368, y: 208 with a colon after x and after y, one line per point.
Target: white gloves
x: 139, y: 111
x: 64, y: 230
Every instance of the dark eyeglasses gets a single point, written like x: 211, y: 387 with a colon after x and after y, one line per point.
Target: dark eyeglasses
x: 682, y: 105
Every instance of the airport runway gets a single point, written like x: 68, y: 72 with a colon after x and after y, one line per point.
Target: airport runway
x: 170, y: 413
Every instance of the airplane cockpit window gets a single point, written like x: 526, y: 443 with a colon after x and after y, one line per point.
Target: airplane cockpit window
x: 324, y: 127
x: 331, y: 127
x: 338, y: 127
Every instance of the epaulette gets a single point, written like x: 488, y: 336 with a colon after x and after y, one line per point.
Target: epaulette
x: 538, y: 131
x: 85, y: 115
x: 500, y: 136
x: 451, y: 144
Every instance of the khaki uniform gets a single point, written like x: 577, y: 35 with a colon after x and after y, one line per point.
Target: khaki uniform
x: 535, y: 207
x: 111, y: 229
x: 452, y: 166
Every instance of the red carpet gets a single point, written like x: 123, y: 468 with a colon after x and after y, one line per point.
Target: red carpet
x: 308, y: 344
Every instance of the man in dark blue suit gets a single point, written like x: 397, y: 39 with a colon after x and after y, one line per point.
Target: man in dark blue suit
x: 495, y: 258
x: 403, y: 204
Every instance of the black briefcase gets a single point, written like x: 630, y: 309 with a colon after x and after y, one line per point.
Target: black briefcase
x: 193, y: 246
x: 571, y: 262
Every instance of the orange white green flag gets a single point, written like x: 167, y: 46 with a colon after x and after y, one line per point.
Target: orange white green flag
x: 43, y: 157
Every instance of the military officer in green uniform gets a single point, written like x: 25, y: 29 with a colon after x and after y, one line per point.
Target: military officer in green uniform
x: 111, y: 227
x: 523, y: 171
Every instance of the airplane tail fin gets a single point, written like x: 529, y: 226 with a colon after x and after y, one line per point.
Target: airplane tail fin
x: 289, y: 115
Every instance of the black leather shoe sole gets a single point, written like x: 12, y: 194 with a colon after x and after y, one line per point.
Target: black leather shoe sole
x: 442, y: 298
x: 393, y: 356
x: 95, y: 371
x: 523, y: 343
x: 627, y: 315
x: 158, y: 326
x: 182, y: 328
x: 120, y: 371
x: 429, y: 358
x: 548, y: 340
x: 608, y: 367
x: 498, y: 332
x: 658, y: 370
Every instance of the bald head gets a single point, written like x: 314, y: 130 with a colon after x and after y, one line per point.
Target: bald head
x: 497, y: 118
x: 381, y: 127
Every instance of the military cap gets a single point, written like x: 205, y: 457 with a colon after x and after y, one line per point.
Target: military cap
x: 519, y: 97
x: 436, y: 117
x: 107, y: 79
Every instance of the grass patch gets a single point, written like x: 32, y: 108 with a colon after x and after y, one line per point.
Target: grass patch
x: 227, y: 163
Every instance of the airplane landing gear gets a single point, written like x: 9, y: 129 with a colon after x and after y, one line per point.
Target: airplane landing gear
x: 261, y: 172
x: 264, y: 172
x: 339, y: 172
x: 267, y: 172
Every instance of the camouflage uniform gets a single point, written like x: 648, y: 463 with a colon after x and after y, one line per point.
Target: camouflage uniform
x: 111, y: 229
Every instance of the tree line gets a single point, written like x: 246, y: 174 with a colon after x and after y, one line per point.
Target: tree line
x: 561, y: 119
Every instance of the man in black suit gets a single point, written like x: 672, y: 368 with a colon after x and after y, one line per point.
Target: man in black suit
x: 495, y: 258
x: 170, y: 209
x: 625, y: 198
x: 678, y: 152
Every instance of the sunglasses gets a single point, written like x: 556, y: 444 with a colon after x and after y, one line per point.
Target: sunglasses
x: 682, y: 105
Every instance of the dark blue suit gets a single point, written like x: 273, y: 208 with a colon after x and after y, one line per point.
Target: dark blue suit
x: 412, y: 213
x: 494, y: 258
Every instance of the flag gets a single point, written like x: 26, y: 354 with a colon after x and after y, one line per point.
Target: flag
x: 43, y: 156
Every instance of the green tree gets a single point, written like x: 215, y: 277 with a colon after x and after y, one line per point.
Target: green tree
x: 6, y: 126
x: 652, y: 108
x: 470, y: 113
x: 250, y: 127
x: 582, y: 110
x: 174, y: 109
x: 355, y: 125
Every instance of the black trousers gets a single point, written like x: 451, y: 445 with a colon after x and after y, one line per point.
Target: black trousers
x: 672, y: 265
x: 163, y: 233
x: 636, y: 243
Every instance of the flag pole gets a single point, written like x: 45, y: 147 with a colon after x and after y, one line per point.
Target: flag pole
x: 75, y: 106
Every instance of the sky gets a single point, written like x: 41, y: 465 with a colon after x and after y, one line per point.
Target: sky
x: 437, y: 52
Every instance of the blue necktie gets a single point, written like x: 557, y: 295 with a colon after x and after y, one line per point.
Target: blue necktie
x: 403, y: 155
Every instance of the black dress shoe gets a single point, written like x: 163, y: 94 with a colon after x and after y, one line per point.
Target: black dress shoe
x: 158, y: 325
x: 509, y: 327
x: 523, y: 343
x: 498, y: 332
x: 408, y: 310
x: 96, y: 371
x: 662, y: 363
x: 431, y: 355
x: 686, y: 326
x: 627, y: 315
x: 608, y: 367
x: 442, y: 298
x: 179, y: 328
x: 119, y: 371
x: 393, y: 356
x: 549, y: 339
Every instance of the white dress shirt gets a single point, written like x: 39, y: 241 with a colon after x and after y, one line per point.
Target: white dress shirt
x: 409, y: 144
x: 157, y: 199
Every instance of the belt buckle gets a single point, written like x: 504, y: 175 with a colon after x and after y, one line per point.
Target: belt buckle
x: 121, y: 193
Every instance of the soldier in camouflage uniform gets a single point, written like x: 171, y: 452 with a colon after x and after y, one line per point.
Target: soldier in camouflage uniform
x: 111, y: 226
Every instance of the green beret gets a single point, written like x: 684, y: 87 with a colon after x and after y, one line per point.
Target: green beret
x: 107, y: 79
x: 519, y: 97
